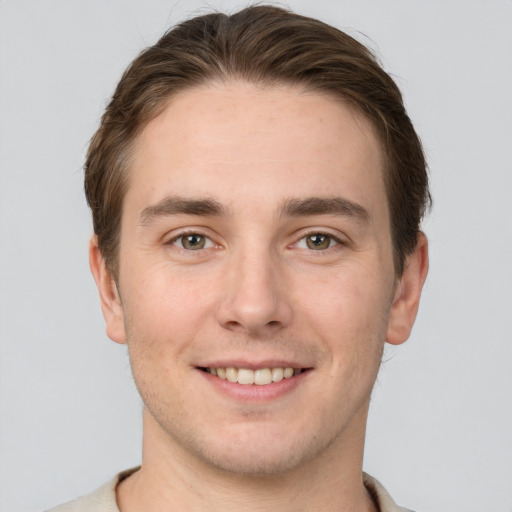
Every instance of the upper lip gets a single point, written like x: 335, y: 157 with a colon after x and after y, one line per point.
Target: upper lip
x: 253, y: 365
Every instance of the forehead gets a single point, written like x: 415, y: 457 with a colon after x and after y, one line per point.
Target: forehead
x: 237, y: 140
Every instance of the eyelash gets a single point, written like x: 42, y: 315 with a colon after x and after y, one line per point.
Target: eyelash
x: 173, y: 241
x: 333, y: 241
x: 209, y: 243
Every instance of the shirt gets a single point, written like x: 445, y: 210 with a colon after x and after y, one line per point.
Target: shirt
x: 104, y: 498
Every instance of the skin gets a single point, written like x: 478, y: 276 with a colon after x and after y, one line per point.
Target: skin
x: 256, y: 292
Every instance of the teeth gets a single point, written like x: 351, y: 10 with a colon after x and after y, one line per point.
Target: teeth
x: 245, y: 376
x: 277, y: 374
x: 231, y: 374
x: 288, y: 372
x: 260, y: 377
x: 263, y: 376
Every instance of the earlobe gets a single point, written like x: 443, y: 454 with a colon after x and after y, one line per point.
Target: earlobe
x: 109, y: 296
x: 407, y: 294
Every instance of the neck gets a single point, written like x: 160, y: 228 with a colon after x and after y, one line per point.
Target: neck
x: 170, y: 479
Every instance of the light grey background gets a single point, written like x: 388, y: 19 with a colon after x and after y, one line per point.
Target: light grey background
x: 440, y: 431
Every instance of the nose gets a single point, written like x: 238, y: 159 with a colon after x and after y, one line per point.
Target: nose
x: 254, y: 298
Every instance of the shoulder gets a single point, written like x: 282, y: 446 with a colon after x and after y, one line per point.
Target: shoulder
x: 102, y: 499
x: 381, y: 497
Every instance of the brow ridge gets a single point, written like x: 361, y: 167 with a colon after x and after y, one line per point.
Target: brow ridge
x: 175, y: 205
x: 324, y: 206
x: 294, y: 207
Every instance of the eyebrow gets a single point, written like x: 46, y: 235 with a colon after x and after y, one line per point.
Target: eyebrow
x: 174, y: 205
x: 207, y: 207
x: 325, y: 206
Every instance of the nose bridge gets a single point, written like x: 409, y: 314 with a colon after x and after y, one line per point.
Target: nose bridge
x: 254, y: 298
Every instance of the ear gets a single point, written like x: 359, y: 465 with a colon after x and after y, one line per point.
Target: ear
x: 407, y: 294
x: 109, y: 295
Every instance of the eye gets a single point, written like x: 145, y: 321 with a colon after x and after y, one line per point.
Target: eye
x: 192, y: 242
x: 317, y: 242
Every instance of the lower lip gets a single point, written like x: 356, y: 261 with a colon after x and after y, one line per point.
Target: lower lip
x: 255, y: 392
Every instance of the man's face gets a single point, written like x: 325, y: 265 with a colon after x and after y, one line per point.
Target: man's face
x: 255, y: 236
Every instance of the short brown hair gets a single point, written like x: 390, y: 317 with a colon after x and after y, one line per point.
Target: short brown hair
x: 266, y: 45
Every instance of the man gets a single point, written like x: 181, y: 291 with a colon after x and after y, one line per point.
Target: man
x: 256, y: 189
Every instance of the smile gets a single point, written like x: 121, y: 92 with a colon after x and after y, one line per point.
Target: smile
x: 259, y: 377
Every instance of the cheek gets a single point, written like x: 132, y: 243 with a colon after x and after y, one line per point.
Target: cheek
x: 350, y: 317
x: 348, y: 301
x: 165, y: 309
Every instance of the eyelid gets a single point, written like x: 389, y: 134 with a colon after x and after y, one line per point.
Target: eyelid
x: 175, y: 235
x: 207, y: 241
x: 337, y: 238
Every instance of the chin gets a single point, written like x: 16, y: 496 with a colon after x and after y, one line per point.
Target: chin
x: 265, y: 463
x: 256, y: 451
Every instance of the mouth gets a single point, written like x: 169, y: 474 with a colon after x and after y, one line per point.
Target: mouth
x: 250, y: 377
